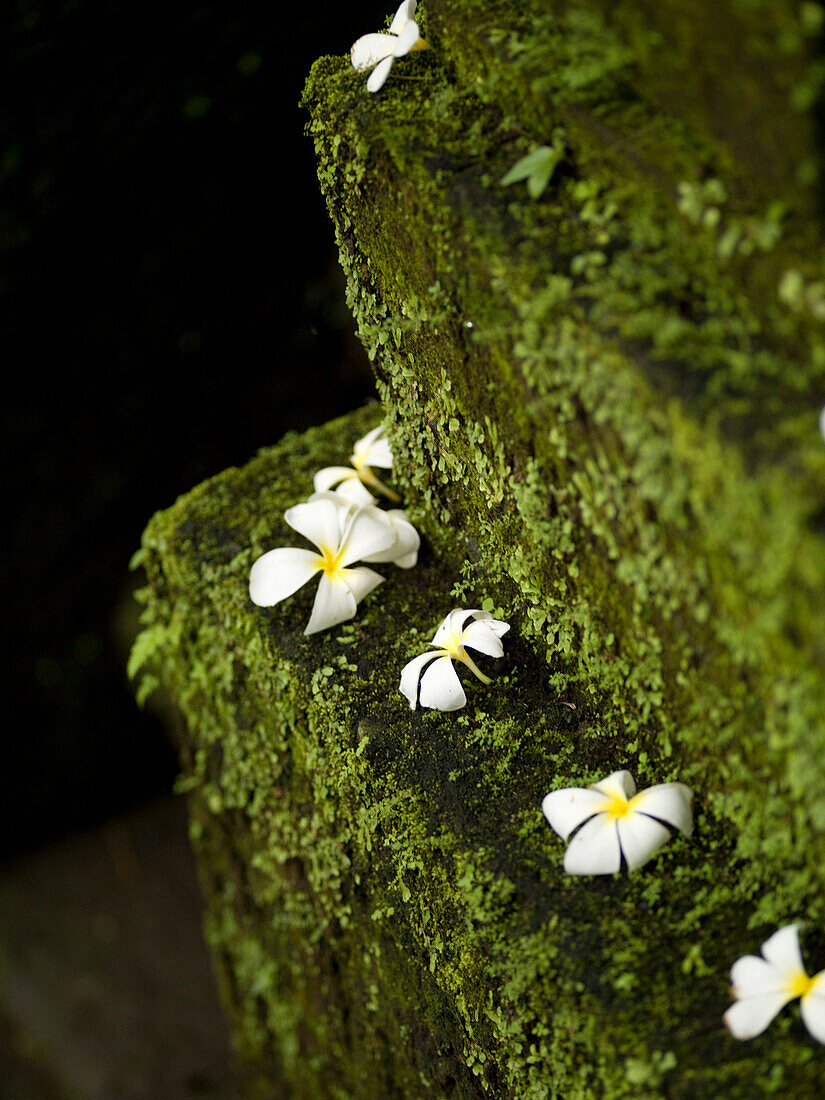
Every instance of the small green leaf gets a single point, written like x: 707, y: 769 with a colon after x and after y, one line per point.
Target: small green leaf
x: 527, y: 165
x: 540, y: 178
x: 537, y: 167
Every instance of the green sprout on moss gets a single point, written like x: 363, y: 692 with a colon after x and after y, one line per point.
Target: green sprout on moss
x: 537, y: 167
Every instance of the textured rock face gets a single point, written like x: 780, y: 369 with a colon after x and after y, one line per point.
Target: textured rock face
x: 603, y: 406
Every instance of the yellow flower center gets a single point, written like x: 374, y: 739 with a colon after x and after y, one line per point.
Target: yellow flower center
x: 454, y: 648
x: 799, y: 984
x: 329, y: 561
x: 619, y: 806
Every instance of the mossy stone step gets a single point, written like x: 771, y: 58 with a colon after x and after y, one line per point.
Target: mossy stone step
x: 603, y: 406
x: 385, y: 901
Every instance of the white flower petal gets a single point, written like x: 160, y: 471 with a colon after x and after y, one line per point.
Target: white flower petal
x: 640, y: 837
x: 408, y: 540
x: 498, y: 626
x: 329, y: 476
x: 366, y: 534
x: 478, y: 635
x: 408, y: 561
x: 566, y: 809
x: 618, y: 785
x: 379, y: 74
x: 407, y: 38
x: 356, y: 492
x: 452, y: 626
x: 334, y: 603
x: 279, y: 573
x: 752, y: 976
x: 316, y: 520
x: 380, y: 455
x: 346, y: 508
x: 671, y: 802
x: 373, y: 450
x: 360, y: 581
x: 406, y: 11
x: 362, y: 446
x: 411, y: 674
x: 782, y: 951
x: 441, y: 688
x: 750, y: 1017
x: 594, y: 850
x: 369, y: 49
x: 404, y: 550
x: 812, y: 1007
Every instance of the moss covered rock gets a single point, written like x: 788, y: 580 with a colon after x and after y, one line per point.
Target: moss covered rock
x: 603, y: 407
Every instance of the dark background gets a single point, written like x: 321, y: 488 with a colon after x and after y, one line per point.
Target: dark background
x: 170, y: 302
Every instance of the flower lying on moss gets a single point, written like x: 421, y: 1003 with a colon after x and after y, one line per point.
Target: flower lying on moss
x: 378, y: 51
x: 403, y: 552
x: 616, y: 822
x: 343, y: 535
x: 762, y: 986
x: 352, y: 482
x: 440, y: 688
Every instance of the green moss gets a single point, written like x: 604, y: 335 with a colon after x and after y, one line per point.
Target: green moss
x: 602, y: 406
x: 387, y: 903
x: 628, y: 448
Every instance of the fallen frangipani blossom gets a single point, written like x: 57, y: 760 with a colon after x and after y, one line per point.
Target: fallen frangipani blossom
x: 378, y: 51
x: 403, y: 552
x: 440, y: 688
x: 762, y: 986
x: 351, y: 482
x: 621, y: 822
x: 364, y: 534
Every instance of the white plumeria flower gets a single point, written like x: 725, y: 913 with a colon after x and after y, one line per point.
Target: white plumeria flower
x: 762, y: 986
x: 403, y: 552
x: 378, y: 51
x: 616, y: 822
x: 279, y: 573
x: 440, y: 687
x: 351, y: 482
